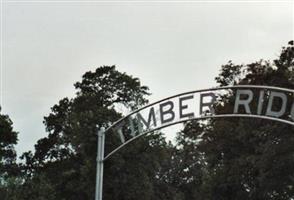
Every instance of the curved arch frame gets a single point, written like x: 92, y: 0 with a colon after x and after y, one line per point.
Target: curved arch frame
x: 101, y: 134
x: 201, y: 117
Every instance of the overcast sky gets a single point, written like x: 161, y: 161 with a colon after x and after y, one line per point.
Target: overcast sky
x: 172, y: 47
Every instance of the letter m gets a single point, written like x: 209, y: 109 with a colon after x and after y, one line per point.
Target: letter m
x: 141, y: 120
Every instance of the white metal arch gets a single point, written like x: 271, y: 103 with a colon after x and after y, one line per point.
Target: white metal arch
x: 271, y: 88
x: 278, y: 91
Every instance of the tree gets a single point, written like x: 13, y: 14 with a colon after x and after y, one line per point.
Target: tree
x: 66, y: 158
x: 184, y: 172
x: 244, y: 158
x: 8, y: 166
x: 213, y: 160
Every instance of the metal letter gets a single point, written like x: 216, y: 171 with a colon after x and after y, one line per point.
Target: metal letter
x: 118, y: 129
x: 169, y: 111
x: 183, y: 107
x: 292, y: 112
x: 133, y: 133
x: 273, y: 95
x: 150, y: 116
x: 244, y: 102
x: 121, y: 135
x: 260, y: 102
x: 208, y: 104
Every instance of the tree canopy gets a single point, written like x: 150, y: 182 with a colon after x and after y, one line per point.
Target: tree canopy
x: 8, y: 166
x: 66, y: 158
x: 242, y: 158
x: 214, y: 159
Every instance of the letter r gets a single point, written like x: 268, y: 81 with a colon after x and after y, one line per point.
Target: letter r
x: 244, y: 102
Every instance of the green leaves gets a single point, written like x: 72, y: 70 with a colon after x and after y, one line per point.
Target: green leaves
x: 8, y: 138
x: 212, y: 159
x: 242, y: 158
x: 66, y: 158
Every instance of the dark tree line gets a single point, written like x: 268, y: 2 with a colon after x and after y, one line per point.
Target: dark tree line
x: 223, y: 159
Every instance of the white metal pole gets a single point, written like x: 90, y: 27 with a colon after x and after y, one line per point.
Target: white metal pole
x: 100, y: 157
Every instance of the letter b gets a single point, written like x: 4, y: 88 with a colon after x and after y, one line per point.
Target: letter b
x: 168, y: 111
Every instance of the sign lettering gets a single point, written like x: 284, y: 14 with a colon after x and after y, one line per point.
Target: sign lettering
x: 239, y: 101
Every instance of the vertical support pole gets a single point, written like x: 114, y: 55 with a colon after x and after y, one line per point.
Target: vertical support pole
x: 100, y: 157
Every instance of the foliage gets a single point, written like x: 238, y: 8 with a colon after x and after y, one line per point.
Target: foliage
x: 243, y: 158
x: 8, y: 139
x: 8, y: 166
x: 219, y: 159
x: 67, y: 156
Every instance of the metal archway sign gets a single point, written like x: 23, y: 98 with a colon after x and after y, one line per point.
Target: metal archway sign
x: 250, y: 101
